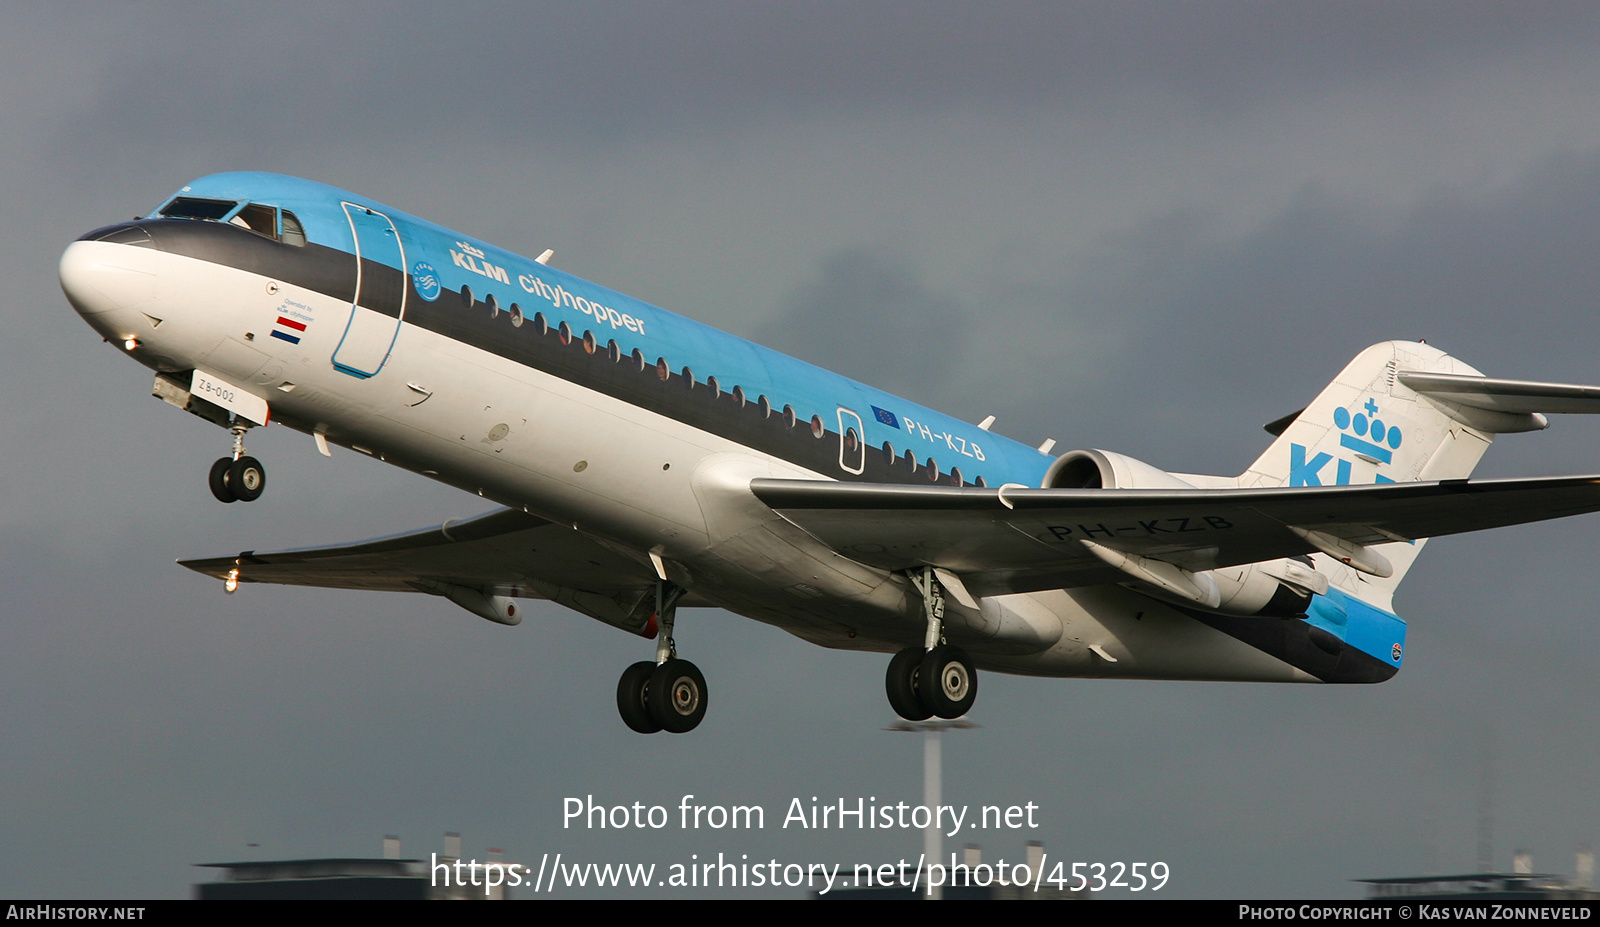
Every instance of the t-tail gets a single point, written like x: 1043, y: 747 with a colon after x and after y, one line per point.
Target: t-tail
x: 1401, y: 412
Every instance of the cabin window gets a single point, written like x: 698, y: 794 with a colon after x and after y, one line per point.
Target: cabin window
x: 910, y: 461
x: 194, y: 207
x: 613, y: 351
x: 714, y: 386
x: 540, y: 326
x: 662, y: 370
x: 766, y: 407
x: 933, y: 470
x: 466, y: 296
x: 738, y: 396
x: 688, y: 378
x: 789, y: 417
x: 516, y: 315
x: 888, y: 454
x: 494, y: 306
x: 978, y: 482
x: 589, y: 344
x: 955, y: 476
x: 638, y: 360
x: 293, y: 232
x: 851, y: 442
x: 817, y: 429
x: 565, y: 333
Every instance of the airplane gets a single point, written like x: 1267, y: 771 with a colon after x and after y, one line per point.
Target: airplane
x: 645, y: 462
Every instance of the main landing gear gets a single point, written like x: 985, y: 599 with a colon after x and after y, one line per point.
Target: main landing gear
x: 936, y: 678
x: 238, y: 478
x: 667, y: 693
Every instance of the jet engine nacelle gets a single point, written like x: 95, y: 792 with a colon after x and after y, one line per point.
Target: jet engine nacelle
x: 1094, y: 469
x: 1274, y: 588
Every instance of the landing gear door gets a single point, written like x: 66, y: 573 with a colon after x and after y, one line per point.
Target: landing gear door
x: 852, y: 442
x: 380, y: 300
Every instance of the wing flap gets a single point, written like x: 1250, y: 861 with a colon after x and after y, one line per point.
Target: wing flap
x: 1034, y: 536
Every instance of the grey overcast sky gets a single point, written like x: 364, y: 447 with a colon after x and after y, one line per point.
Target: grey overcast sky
x: 1146, y: 227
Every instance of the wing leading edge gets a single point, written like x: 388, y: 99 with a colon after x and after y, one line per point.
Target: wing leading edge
x: 1020, y: 540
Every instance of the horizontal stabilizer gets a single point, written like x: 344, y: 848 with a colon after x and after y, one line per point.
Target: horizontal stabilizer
x: 1514, y: 397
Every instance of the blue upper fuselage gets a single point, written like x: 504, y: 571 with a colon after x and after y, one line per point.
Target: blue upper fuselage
x: 519, y: 287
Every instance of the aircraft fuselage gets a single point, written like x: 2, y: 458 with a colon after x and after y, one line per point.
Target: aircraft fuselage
x: 636, y: 427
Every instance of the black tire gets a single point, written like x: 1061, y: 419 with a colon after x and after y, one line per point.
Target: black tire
x: 219, y: 480
x: 948, y: 682
x: 677, y: 696
x: 631, y: 703
x: 901, y: 685
x: 247, y: 479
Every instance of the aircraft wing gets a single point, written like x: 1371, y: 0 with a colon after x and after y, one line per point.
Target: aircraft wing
x: 504, y: 552
x: 1017, y: 540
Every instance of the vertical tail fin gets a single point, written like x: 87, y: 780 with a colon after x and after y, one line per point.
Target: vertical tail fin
x: 1369, y: 427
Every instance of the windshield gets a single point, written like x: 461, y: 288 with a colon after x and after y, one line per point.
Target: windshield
x: 267, y: 221
x: 193, y: 207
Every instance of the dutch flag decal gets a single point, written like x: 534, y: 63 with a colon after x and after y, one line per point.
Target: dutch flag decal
x: 292, y: 326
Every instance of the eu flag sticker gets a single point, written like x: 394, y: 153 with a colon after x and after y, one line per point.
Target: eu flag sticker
x: 886, y: 417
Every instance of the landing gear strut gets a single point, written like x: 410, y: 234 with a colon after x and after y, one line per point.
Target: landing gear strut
x: 667, y: 694
x: 936, y: 678
x: 239, y: 478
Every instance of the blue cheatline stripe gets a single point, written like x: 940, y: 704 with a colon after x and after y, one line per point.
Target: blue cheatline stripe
x: 289, y: 338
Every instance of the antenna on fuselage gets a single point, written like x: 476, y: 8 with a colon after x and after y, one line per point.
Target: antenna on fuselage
x: 545, y: 257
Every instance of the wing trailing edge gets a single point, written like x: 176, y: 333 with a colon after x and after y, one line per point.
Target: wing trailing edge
x: 1052, y: 538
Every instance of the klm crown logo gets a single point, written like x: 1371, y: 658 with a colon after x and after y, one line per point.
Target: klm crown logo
x: 1365, y: 425
x: 1362, y: 432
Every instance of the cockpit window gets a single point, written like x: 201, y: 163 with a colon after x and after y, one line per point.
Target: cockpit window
x: 256, y: 217
x: 293, y: 232
x: 263, y: 220
x: 194, y: 207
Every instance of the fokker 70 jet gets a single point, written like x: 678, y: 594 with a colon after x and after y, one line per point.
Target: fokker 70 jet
x: 646, y: 462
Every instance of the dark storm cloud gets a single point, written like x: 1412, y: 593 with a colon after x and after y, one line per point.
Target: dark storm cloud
x: 1259, y: 323
x: 156, y: 722
x: 570, y: 75
x: 869, y: 316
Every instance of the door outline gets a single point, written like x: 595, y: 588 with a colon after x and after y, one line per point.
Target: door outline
x: 852, y: 461
x: 369, y: 333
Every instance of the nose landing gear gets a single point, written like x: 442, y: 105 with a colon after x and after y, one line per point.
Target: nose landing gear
x: 239, y: 478
x: 668, y: 693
